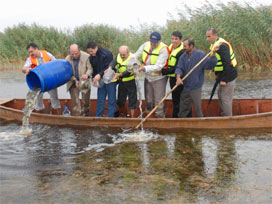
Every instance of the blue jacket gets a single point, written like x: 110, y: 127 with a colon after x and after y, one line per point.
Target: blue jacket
x: 101, y: 61
x: 186, y: 63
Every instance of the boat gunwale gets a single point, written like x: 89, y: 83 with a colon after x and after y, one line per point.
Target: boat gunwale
x: 2, y: 105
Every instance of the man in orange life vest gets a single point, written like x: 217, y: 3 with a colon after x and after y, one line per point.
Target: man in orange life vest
x: 35, y: 58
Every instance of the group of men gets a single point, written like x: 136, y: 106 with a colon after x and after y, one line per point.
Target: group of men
x: 158, y: 61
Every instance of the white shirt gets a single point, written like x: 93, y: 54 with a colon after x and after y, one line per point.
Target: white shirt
x: 160, y: 63
x: 28, y: 62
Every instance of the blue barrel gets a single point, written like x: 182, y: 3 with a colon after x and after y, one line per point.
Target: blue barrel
x: 49, y: 75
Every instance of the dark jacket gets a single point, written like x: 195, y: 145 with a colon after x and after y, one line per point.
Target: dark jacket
x: 229, y: 73
x: 172, y: 70
x: 101, y: 61
x: 186, y: 63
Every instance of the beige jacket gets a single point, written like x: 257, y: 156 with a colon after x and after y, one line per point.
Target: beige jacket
x: 84, y: 67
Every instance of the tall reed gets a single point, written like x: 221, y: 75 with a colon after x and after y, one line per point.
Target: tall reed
x: 247, y: 28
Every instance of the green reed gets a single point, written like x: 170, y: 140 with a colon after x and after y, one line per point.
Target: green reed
x: 247, y: 28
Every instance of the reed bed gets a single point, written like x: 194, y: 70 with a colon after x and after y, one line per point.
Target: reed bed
x: 247, y: 28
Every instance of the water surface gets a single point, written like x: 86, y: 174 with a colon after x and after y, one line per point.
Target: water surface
x: 115, y: 165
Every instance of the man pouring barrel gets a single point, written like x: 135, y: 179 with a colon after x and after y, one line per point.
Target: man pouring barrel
x: 37, y: 57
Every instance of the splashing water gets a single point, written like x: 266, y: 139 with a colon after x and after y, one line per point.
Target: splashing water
x: 134, y: 67
x: 29, y: 107
x: 135, y: 136
x: 139, y: 136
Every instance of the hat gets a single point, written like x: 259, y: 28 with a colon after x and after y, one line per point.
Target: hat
x: 155, y: 37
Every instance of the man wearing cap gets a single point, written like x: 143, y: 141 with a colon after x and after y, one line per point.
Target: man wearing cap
x: 82, y: 70
x: 154, y: 56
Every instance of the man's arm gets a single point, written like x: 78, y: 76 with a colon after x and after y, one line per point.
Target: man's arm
x: 224, y: 53
x: 26, y: 66
x: 179, y: 70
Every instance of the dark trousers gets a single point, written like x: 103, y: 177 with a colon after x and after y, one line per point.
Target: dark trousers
x: 175, y: 96
x: 127, y: 89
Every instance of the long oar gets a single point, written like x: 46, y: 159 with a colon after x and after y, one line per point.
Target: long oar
x: 155, y: 108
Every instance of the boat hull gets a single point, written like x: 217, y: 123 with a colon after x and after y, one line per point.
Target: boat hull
x: 262, y: 118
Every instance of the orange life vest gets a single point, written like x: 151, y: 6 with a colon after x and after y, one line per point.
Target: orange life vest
x: 35, y: 61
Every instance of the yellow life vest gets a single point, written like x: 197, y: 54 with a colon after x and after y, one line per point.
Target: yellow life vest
x: 219, y: 65
x: 173, y: 57
x: 154, y: 54
x: 122, y: 67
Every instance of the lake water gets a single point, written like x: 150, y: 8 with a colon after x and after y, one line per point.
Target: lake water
x: 115, y: 165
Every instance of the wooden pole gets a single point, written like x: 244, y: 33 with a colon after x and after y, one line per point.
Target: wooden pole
x: 155, y: 108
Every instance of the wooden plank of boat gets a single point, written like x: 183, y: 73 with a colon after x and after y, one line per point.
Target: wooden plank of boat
x: 4, y: 100
x: 249, y: 114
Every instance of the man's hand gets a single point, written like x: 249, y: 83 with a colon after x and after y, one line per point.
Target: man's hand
x: 96, y: 79
x: 25, y: 70
x: 84, y: 76
x: 179, y: 81
x: 222, y: 83
x: 141, y: 68
x: 116, y: 76
x: 77, y: 83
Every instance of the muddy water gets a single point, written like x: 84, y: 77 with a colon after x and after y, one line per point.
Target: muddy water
x: 65, y: 165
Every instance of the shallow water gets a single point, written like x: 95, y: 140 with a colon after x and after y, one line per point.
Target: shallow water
x: 114, y: 165
x: 64, y: 165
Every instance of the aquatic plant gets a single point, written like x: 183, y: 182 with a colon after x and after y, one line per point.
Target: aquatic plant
x: 247, y: 28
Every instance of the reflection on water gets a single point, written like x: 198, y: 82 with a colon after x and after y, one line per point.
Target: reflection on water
x: 65, y: 165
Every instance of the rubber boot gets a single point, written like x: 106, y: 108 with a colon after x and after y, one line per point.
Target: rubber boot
x: 38, y: 111
x: 122, y: 112
x: 133, y: 113
x: 57, y: 111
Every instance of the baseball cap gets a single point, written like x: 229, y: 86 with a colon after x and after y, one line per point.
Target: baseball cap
x: 155, y: 37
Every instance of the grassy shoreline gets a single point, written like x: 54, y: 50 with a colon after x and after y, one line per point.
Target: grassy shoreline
x: 248, y: 29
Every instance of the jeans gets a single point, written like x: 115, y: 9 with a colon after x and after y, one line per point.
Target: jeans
x: 102, y: 92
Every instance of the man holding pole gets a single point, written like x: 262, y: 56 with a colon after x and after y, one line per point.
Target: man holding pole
x: 193, y: 83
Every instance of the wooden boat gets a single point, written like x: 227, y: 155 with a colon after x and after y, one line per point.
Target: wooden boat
x: 248, y: 114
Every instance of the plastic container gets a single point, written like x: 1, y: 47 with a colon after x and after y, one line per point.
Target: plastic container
x: 84, y: 85
x: 49, y: 75
x: 66, y: 111
x: 108, y: 76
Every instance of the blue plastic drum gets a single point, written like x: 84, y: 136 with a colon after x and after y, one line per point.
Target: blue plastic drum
x: 49, y: 75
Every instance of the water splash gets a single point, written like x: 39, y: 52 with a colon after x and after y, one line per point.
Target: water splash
x: 139, y: 136
x: 30, y: 102
x: 135, y: 136
x: 11, y: 135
